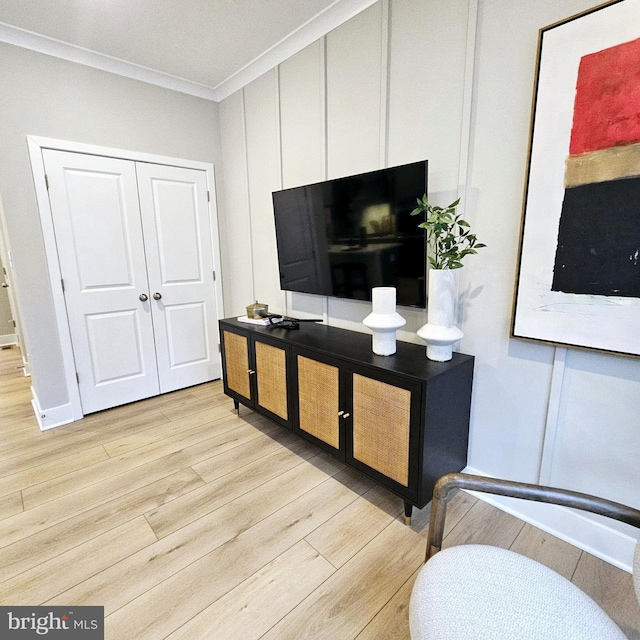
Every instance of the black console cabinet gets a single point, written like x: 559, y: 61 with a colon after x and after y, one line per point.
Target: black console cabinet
x: 403, y: 420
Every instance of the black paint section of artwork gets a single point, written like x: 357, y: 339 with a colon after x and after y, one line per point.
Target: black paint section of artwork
x: 598, y: 249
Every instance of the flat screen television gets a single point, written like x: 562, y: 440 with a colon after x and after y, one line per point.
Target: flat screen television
x: 343, y: 237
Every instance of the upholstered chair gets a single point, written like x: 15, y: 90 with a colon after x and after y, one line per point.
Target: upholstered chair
x: 478, y: 592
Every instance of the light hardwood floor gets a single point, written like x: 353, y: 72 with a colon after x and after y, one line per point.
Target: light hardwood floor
x: 185, y: 520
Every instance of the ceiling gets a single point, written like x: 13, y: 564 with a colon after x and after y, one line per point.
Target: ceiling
x: 206, y: 45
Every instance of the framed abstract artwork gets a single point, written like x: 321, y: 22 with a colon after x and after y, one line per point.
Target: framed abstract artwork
x: 578, y: 278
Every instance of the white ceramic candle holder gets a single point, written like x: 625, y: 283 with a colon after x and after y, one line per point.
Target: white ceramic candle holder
x: 384, y: 321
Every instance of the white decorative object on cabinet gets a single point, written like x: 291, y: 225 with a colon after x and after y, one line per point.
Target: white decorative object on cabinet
x: 439, y: 333
x: 384, y: 321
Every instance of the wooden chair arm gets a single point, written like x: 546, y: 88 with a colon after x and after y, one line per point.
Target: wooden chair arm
x: 450, y: 482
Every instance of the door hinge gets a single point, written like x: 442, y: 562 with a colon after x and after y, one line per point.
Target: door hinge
x: 219, y: 348
x: 214, y: 276
x: 46, y: 181
x: 77, y: 378
x: 208, y: 196
x: 62, y: 283
x: 14, y: 323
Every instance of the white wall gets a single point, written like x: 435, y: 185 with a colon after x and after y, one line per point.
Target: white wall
x: 48, y: 97
x: 450, y: 81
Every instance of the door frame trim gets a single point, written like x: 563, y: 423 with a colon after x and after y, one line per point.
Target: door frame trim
x: 36, y: 144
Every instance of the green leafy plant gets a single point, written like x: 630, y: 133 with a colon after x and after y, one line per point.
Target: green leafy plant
x: 449, y: 237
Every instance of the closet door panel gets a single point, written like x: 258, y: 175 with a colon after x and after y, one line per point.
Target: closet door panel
x: 187, y: 337
x: 96, y: 217
x: 179, y: 250
x: 178, y: 236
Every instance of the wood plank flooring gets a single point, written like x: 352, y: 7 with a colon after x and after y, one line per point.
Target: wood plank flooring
x: 185, y: 520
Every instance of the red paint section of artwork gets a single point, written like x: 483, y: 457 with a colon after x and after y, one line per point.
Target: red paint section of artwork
x: 607, y: 106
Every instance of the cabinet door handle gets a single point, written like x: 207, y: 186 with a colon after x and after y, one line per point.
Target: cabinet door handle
x: 251, y: 372
x: 346, y: 415
x: 340, y: 413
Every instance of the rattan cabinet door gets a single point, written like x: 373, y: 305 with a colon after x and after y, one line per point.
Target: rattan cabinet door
x: 236, y: 363
x: 318, y: 400
x: 381, y: 427
x: 271, y: 374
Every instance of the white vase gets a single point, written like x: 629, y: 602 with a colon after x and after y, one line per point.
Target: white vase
x: 384, y: 321
x: 439, y: 333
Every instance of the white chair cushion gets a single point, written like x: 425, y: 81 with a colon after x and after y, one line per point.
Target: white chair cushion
x: 474, y: 592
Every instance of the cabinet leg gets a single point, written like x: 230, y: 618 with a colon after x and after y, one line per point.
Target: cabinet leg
x: 236, y: 406
x: 408, y: 508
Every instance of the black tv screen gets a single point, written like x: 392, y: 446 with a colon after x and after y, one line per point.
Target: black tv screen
x: 343, y: 237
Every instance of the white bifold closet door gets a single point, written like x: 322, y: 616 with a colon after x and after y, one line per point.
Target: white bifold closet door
x: 136, y: 257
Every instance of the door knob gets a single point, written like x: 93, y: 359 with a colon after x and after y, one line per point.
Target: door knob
x: 157, y: 296
x: 143, y: 297
x: 5, y: 285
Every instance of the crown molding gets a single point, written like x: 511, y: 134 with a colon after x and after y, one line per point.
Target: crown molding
x: 72, y: 53
x: 315, y: 28
x: 333, y: 16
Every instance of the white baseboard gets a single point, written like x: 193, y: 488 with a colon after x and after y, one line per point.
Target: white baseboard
x: 52, y: 416
x: 9, y: 338
x: 586, y: 533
